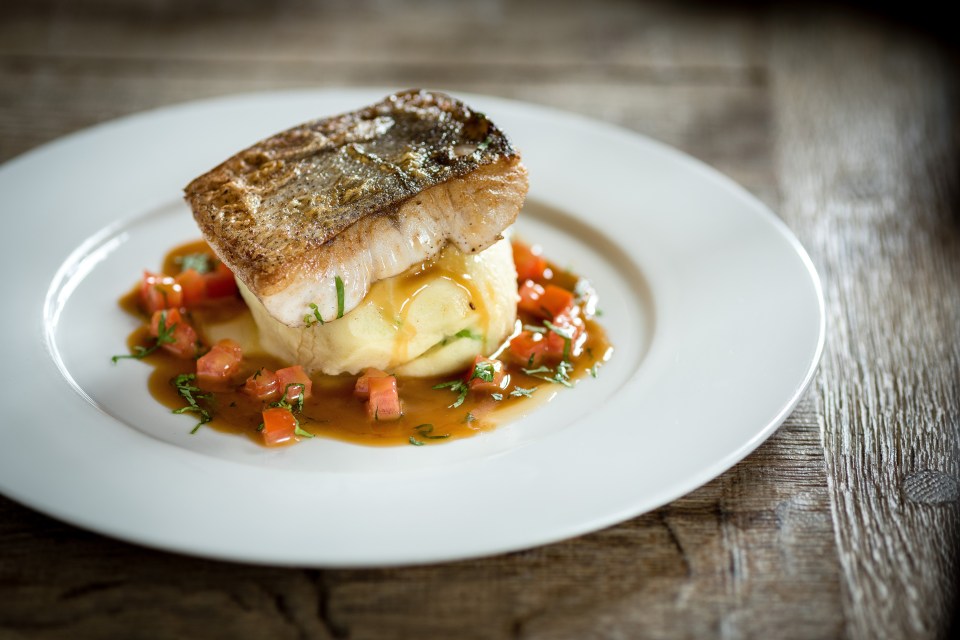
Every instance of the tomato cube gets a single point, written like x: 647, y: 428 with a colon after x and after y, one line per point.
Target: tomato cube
x: 194, y: 287
x: 487, y: 375
x: 362, y: 388
x: 220, y: 282
x: 262, y: 385
x: 384, y: 402
x: 546, y: 301
x: 158, y: 291
x: 532, y: 349
x: 530, y: 264
x: 176, y: 335
x: 530, y: 293
x: 221, y: 363
x: 557, y: 301
x: 296, y: 376
x: 279, y: 426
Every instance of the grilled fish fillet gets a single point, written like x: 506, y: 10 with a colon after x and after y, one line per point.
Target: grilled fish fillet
x: 360, y: 196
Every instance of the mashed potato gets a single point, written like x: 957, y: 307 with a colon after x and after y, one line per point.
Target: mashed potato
x: 433, y: 319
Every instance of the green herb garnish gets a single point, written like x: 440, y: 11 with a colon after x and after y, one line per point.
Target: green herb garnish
x: 199, y: 262
x: 295, y: 407
x: 561, y: 375
x: 191, y: 393
x: 316, y: 317
x: 283, y: 403
x: 426, y: 431
x: 497, y: 396
x: 565, y: 333
x: 164, y: 336
x: 339, y: 284
x: 484, y: 371
x: 539, y: 370
x: 297, y: 431
x: 415, y: 442
x: 466, y: 333
x: 486, y: 143
x: 458, y: 387
x: 520, y: 392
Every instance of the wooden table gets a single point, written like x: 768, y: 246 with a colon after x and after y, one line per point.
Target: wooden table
x: 844, y: 523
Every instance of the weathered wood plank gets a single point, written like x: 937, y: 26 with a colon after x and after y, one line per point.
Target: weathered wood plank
x: 868, y: 160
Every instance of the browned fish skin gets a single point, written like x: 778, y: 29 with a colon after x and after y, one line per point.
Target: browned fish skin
x: 286, y: 212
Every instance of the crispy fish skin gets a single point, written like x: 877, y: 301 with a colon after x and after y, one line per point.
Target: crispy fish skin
x: 361, y: 196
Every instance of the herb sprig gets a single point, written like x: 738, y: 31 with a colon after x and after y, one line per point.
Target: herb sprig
x: 191, y: 393
x: 314, y: 316
x: 340, y: 295
x: 199, y: 262
x: 295, y: 407
x: 164, y: 336
x: 561, y: 374
x: 483, y: 371
x: 425, y: 431
x: 458, y: 387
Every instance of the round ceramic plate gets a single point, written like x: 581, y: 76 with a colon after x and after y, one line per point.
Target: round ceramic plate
x: 713, y: 307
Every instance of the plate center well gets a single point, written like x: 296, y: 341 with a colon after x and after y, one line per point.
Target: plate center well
x: 85, y: 327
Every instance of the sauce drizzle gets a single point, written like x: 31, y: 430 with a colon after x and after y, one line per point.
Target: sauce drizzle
x: 334, y: 412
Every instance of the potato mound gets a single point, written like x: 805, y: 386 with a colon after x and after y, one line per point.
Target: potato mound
x: 434, y: 319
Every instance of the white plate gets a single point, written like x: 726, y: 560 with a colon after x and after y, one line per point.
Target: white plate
x: 713, y: 306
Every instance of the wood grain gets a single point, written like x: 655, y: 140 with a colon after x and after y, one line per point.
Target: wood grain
x: 843, y: 524
x: 872, y: 189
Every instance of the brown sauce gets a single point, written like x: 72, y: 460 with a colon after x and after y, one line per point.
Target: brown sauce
x: 333, y: 411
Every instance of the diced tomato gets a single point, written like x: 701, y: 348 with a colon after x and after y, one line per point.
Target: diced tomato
x: 180, y: 339
x: 362, y: 388
x: 221, y: 363
x: 484, y: 368
x: 294, y: 375
x: 530, y: 293
x: 158, y: 291
x: 532, y: 349
x: 194, y: 287
x: 557, y: 301
x: 545, y: 301
x: 220, y: 282
x: 530, y: 264
x: 384, y: 402
x: 262, y: 385
x: 279, y: 426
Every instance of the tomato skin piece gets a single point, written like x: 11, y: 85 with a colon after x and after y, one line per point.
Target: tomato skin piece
x: 500, y: 378
x: 221, y: 363
x: 220, y: 282
x: 185, y: 341
x: 262, y: 385
x: 530, y: 264
x: 384, y: 402
x: 294, y: 375
x: 158, y: 291
x: 362, y: 387
x: 279, y: 426
x: 194, y: 287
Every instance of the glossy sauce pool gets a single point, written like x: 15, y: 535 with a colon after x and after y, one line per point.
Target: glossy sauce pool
x: 333, y: 411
